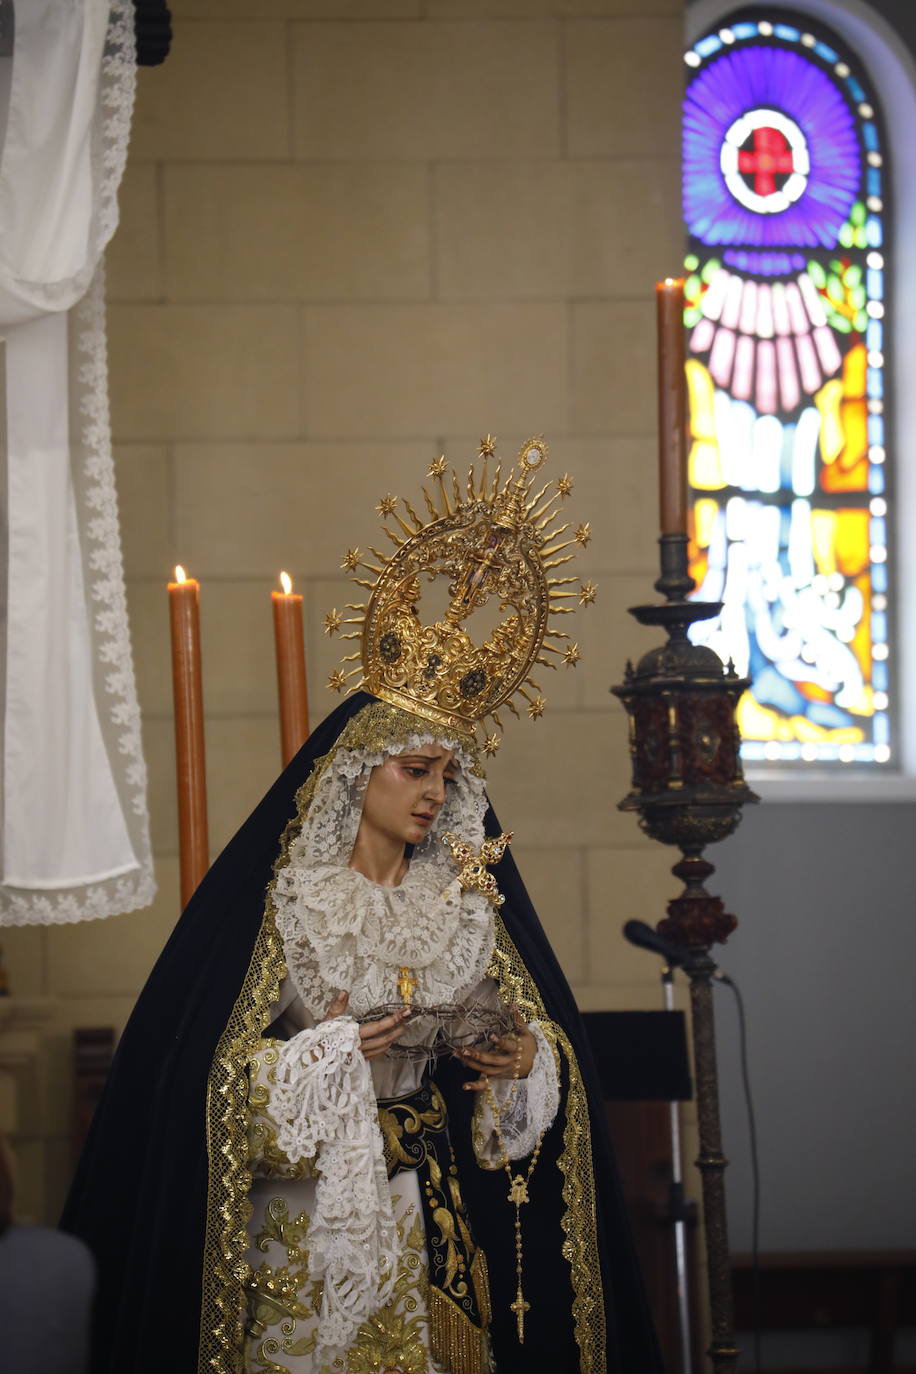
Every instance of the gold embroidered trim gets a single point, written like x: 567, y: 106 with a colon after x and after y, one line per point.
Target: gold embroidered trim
x: 225, y: 1268
x: 580, y: 1248
x: 455, y: 1341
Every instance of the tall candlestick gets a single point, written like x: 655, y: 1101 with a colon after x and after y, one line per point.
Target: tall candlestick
x: 672, y: 407
x: 187, y: 692
x: 291, y: 681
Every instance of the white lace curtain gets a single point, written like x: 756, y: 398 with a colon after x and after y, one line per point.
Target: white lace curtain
x: 75, y: 831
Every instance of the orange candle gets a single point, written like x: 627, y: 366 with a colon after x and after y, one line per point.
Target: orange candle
x: 187, y: 691
x: 291, y: 681
x: 672, y: 407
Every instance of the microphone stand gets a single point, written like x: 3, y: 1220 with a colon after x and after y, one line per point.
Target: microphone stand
x: 678, y: 1210
x: 688, y: 789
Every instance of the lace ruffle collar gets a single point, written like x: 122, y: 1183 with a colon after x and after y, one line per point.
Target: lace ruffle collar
x: 341, y: 930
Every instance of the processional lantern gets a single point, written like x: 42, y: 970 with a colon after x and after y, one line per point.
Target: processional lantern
x: 688, y: 787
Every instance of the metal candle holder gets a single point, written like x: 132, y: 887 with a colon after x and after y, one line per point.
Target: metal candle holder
x: 688, y: 789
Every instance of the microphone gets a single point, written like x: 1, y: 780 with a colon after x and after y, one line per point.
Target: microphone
x: 638, y: 933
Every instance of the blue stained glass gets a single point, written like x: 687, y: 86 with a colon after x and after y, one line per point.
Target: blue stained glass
x: 825, y: 52
x: 880, y: 676
x: 879, y: 577
x: 870, y: 137
x: 875, y: 481
x: 873, y: 181
x: 876, y: 429
x: 707, y: 46
x: 879, y: 627
x: 855, y: 89
x: 787, y: 32
x: 881, y: 728
x: 762, y: 77
x: 873, y: 232
x: 878, y: 531
x: 744, y: 30
x: 874, y: 336
x: 751, y: 750
x: 874, y: 283
x: 875, y: 383
x: 764, y: 264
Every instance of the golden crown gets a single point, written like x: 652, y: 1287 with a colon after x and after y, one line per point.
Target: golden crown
x: 495, y: 544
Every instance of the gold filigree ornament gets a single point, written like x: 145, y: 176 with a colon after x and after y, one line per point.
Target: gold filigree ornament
x: 496, y: 546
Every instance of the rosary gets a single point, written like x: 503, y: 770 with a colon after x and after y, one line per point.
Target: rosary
x: 518, y: 1193
x: 472, y: 873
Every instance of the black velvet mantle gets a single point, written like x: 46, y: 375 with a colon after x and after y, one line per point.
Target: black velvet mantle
x: 140, y: 1191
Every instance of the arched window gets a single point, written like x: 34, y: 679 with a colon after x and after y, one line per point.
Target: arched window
x: 784, y: 201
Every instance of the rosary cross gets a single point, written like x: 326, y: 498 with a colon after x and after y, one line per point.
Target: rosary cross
x: 472, y: 864
x: 520, y: 1307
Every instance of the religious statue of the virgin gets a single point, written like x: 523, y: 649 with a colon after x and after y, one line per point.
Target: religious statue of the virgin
x: 352, y: 1124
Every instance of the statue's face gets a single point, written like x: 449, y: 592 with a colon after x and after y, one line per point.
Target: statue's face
x: 406, y: 793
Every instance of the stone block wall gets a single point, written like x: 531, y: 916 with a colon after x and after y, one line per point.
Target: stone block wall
x: 356, y: 234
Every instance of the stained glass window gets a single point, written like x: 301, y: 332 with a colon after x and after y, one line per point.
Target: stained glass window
x: 784, y: 192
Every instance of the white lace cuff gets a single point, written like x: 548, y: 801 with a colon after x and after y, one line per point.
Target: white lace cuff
x: 533, y: 1103
x: 324, y: 1106
x: 265, y: 1158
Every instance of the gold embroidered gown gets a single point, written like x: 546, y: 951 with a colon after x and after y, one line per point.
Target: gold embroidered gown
x: 340, y: 1214
x: 284, y: 1297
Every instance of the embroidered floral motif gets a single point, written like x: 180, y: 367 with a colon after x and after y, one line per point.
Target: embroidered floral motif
x: 282, y: 1305
x: 265, y: 1156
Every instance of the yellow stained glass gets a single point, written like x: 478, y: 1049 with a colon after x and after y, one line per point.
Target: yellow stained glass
x: 854, y: 365
x: 852, y: 542
x: 823, y: 540
x: 861, y: 645
x: 705, y: 466
x: 828, y: 401
x: 760, y: 723
x: 705, y: 511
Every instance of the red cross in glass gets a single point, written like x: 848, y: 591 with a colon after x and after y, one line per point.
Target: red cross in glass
x: 771, y: 156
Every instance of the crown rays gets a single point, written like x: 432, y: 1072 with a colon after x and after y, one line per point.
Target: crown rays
x: 509, y: 504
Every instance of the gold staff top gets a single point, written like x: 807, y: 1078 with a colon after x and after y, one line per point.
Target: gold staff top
x: 489, y: 549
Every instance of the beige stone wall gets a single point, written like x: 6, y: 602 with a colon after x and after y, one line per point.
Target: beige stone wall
x: 356, y: 233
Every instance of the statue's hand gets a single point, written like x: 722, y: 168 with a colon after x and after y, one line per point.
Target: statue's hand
x: 510, y: 1056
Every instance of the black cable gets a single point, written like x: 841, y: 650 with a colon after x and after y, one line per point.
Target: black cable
x: 756, y: 1307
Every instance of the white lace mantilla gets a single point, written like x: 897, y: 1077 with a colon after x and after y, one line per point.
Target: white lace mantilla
x: 325, y: 1108
x: 342, y: 931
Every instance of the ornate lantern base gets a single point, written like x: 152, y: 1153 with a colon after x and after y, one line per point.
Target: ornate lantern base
x: 688, y: 789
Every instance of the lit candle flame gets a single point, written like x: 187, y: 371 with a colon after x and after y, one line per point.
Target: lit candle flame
x: 286, y: 582
x: 180, y: 574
